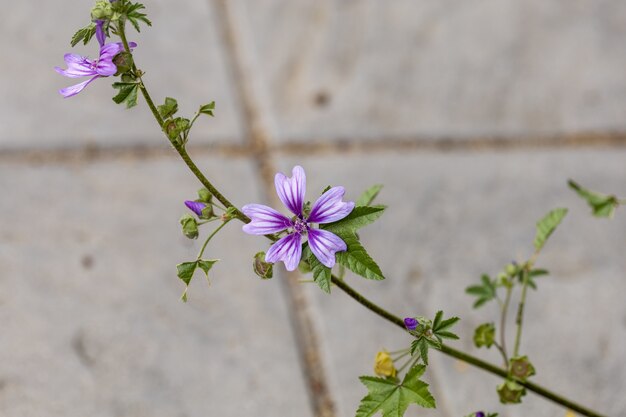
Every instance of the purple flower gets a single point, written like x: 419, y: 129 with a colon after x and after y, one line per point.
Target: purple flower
x: 100, y: 34
x: 327, y: 209
x: 195, y: 206
x: 480, y: 414
x: 411, y: 324
x: 79, y: 66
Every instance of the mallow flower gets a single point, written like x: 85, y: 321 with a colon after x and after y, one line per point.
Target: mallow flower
x: 328, y: 208
x: 80, y: 66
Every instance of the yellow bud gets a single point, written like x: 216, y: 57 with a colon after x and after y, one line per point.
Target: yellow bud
x: 383, y: 366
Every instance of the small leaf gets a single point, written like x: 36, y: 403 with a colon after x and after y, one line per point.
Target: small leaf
x: 484, y: 292
x: 358, y: 218
x: 169, y: 108
x: 547, y: 225
x: 602, y: 205
x: 206, y: 265
x: 207, y: 109
x: 357, y: 260
x: 369, y: 195
x: 391, y: 398
x: 127, y: 94
x: 84, y: 34
x: 135, y: 16
x: 186, y: 270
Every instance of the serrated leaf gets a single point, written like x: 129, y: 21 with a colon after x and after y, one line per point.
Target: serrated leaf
x: 321, y: 273
x: 446, y: 324
x: 547, y: 225
x: 393, y: 398
x: 186, y: 270
x: 169, y: 108
x: 421, y: 345
x: 84, y: 34
x: 127, y: 94
x: 358, y: 218
x: 135, y: 16
x: 357, y: 260
x: 207, y: 109
x: 602, y: 205
x: 484, y: 292
x: 369, y: 195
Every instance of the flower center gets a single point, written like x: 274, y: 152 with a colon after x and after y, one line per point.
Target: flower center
x: 300, y: 226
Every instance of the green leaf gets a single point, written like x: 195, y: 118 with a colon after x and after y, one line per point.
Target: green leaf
x: 207, y: 109
x: 535, y: 273
x: 393, y: 398
x: 357, y: 260
x: 484, y: 335
x: 186, y: 270
x: 206, y: 265
x: 420, y: 345
x: 169, y: 108
x: 547, y: 225
x: 484, y: 292
x: 602, y: 205
x: 441, y: 327
x: 173, y: 128
x: 358, y: 218
x: 369, y: 195
x: 127, y: 94
x: 84, y: 34
x: 135, y: 16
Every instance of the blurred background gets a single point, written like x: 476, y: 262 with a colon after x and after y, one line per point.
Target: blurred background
x: 472, y: 113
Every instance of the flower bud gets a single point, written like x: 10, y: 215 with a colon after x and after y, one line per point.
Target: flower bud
x: 124, y: 62
x: 479, y: 414
x: 520, y: 368
x: 510, y: 392
x: 383, y: 365
x: 511, y: 269
x: 204, y: 195
x: 102, y: 10
x: 190, y: 226
x: 411, y: 323
x: 484, y: 335
x: 263, y: 269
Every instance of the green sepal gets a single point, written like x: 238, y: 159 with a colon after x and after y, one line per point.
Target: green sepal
x: 207, y: 109
x: 520, y: 368
x: 168, y: 108
x: 547, y: 225
x: 83, y: 34
x: 205, y: 196
x: 485, y: 335
x: 356, y: 258
x: 484, y: 292
x: 264, y: 270
x: 127, y: 94
x: 510, y: 392
x: 189, y: 226
x: 391, y: 397
x: 123, y: 62
x: 174, y: 127
x: 368, y: 195
x: 602, y: 205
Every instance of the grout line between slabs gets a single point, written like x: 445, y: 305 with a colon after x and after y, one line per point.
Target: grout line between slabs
x: 313, y: 147
x: 257, y: 132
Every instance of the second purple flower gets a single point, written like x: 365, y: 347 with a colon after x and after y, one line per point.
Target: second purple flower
x: 327, y: 209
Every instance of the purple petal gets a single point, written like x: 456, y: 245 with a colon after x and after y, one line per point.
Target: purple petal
x: 411, y: 323
x: 106, y: 68
x: 75, y: 89
x: 291, y: 190
x: 288, y: 249
x: 265, y: 220
x: 324, y: 244
x: 77, y: 66
x: 329, y: 207
x: 100, y: 35
x: 195, y: 206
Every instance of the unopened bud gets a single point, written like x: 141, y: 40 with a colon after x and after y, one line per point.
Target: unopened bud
x: 263, y: 269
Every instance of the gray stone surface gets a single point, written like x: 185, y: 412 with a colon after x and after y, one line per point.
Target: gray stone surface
x: 453, y: 217
x: 182, y: 57
x: 370, y: 69
x: 91, y: 319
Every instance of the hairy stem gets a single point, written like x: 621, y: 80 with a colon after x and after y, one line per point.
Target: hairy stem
x: 505, y: 309
x: 472, y: 360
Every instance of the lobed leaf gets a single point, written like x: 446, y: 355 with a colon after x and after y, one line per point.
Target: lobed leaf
x: 127, y: 94
x: 369, y: 195
x: 358, y: 218
x: 357, y: 260
x: 602, y: 205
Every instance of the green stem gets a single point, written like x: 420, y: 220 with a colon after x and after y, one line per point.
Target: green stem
x: 217, y: 229
x: 505, y: 309
x: 519, y: 320
x: 340, y: 283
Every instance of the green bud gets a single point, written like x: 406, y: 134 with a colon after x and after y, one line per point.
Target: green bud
x: 102, y: 10
x: 510, y: 392
x: 263, y: 269
x: 230, y: 214
x: 208, y: 213
x: 511, y: 269
x: 190, y: 226
x: 124, y: 62
x: 484, y: 335
x: 204, y: 195
x: 520, y: 368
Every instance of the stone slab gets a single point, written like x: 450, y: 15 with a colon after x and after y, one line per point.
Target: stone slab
x: 181, y: 55
x: 454, y: 68
x: 92, y: 321
x: 452, y: 217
